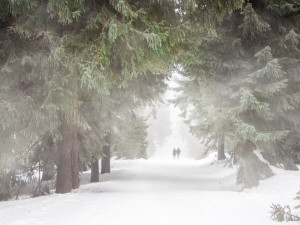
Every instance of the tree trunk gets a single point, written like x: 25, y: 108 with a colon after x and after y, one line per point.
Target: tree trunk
x: 66, y: 166
x: 5, y: 192
x: 105, y: 161
x: 251, y: 169
x: 48, y: 171
x: 75, y: 162
x: 221, y: 153
x: 75, y: 155
x: 68, y: 159
x: 95, y: 170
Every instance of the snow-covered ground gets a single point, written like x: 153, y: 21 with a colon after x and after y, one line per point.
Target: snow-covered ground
x: 153, y: 192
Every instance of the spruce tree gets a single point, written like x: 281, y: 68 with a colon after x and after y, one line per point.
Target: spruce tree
x: 245, y: 68
x: 64, y: 59
x: 61, y: 58
x: 130, y: 142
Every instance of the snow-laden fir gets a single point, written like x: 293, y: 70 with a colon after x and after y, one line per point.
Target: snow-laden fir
x: 160, y: 192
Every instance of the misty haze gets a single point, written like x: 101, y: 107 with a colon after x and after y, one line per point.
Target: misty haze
x: 160, y: 112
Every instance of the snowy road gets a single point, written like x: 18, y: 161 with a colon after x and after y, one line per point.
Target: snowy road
x: 165, y: 176
x: 140, y: 192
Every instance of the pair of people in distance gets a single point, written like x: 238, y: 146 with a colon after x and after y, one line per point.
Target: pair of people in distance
x: 176, y: 153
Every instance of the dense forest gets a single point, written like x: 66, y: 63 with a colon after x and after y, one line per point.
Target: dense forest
x: 75, y: 74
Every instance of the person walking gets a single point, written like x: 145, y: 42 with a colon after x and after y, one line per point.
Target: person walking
x: 174, y: 153
x: 178, y: 152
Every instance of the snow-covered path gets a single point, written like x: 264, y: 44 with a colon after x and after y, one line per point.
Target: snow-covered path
x: 165, y: 176
x: 141, y: 192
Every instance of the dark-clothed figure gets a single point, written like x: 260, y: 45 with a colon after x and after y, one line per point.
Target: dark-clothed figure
x: 174, y: 153
x: 178, y: 152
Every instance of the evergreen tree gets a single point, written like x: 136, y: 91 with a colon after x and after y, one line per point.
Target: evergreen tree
x: 60, y: 59
x: 129, y: 141
x: 240, y: 86
x: 64, y: 60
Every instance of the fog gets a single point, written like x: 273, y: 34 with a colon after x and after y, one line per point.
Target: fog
x: 168, y: 130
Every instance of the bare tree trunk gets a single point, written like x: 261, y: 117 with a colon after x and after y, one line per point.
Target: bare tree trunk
x: 66, y: 166
x: 5, y: 192
x: 105, y: 161
x: 221, y: 153
x: 75, y: 155
x: 75, y: 161
x: 39, y: 155
x: 95, y: 170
